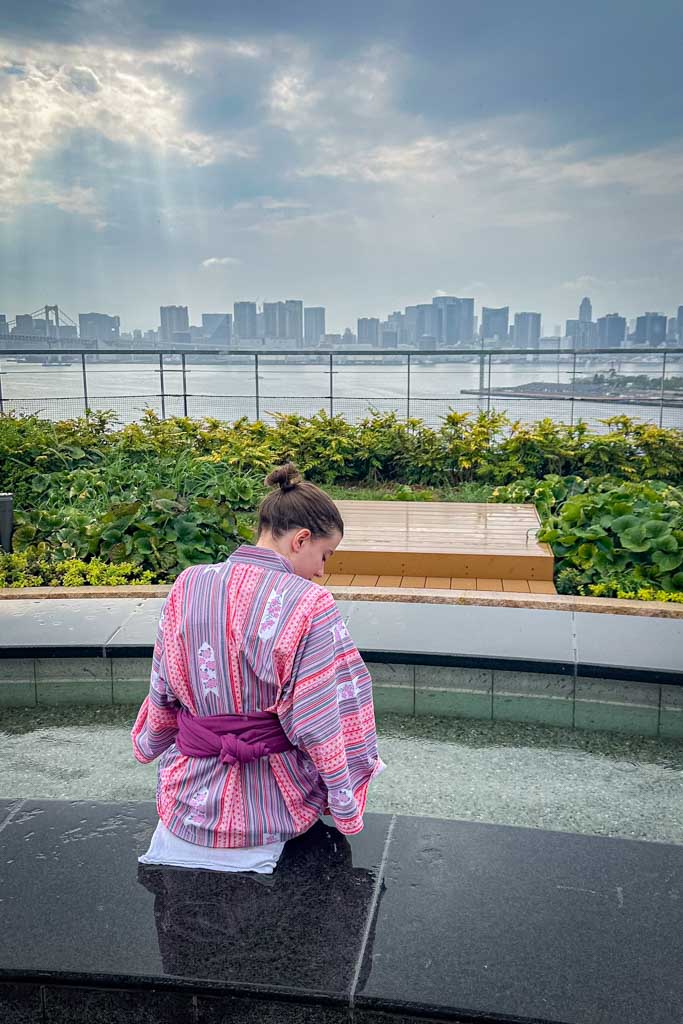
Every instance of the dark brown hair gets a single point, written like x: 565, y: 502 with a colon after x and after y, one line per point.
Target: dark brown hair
x: 296, y: 504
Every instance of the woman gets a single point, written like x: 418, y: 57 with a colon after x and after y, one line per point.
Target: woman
x: 259, y: 702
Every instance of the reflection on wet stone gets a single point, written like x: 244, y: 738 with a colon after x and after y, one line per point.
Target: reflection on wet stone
x: 298, y: 928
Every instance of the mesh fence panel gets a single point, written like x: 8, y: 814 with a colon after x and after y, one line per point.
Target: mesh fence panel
x: 561, y: 386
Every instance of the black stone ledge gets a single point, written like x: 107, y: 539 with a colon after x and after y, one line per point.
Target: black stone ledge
x: 414, y: 919
x: 564, y: 668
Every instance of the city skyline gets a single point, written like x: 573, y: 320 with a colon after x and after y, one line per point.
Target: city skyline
x: 447, y: 320
x: 354, y: 155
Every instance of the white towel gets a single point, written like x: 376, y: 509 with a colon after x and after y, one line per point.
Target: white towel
x: 166, y: 848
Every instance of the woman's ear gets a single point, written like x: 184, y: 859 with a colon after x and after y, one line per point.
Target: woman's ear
x: 299, y: 537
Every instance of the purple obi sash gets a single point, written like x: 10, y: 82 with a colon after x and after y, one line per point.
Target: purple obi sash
x: 235, y: 739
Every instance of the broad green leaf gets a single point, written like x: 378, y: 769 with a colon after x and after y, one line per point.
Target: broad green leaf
x: 656, y: 528
x: 622, y: 523
x: 634, y: 539
x: 666, y: 543
x: 666, y: 561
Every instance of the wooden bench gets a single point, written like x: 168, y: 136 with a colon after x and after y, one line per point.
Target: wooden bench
x: 441, y: 546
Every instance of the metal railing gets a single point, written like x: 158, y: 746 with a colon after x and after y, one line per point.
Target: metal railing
x: 391, y: 379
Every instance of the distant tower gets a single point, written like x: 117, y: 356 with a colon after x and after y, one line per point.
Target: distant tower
x: 585, y: 311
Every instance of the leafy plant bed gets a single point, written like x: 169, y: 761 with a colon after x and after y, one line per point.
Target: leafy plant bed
x: 105, y: 506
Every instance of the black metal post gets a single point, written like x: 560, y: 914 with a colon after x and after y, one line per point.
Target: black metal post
x: 2, y: 403
x: 488, y: 387
x: 256, y: 387
x: 571, y: 420
x: 408, y: 391
x: 6, y: 521
x: 182, y: 360
x: 161, y: 385
x: 664, y: 376
x: 331, y: 384
x: 85, y: 382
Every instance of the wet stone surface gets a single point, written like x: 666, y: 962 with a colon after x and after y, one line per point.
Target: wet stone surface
x: 431, y: 916
x: 501, y: 772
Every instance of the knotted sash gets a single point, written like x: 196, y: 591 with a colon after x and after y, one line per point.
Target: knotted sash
x: 235, y: 739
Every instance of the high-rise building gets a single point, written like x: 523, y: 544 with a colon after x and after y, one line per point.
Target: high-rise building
x: 396, y: 321
x: 295, y: 320
x: 651, y: 329
x: 410, y: 325
x: 680, y: 325
x: 99, y: 326
x: 611, y: 330
x: 445, y: 317
x: 173, y: 320
x: 314, y: 324
x: 389, y: 338
x: 527, y: 330
x: 244, y: 321
x: 348, y: 338
x: 23, y: 325
x: 495, y: 323
x: 466, y: 328
x: 67, y: 331
x: 274, y: 320
x: 671, y: 329
x: 584, y: 333
x: 428, y: 321
x: 217, y: 327
x: 455, y: 319
x: 368, y: 330
x: 4, y: 330
x: 585, y: 310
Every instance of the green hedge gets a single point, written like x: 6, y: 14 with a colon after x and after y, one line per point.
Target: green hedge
x: 156, y: 496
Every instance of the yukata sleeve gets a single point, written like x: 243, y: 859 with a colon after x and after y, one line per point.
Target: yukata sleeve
x: 155, y: 726
x: 327, y: 712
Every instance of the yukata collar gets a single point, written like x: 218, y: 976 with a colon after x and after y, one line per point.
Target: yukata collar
x: 249, y: 554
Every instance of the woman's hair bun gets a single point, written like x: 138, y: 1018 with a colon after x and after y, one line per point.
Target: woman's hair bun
x: 285, y: 477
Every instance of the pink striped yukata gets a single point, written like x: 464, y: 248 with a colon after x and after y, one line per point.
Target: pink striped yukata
x: 250, y: 635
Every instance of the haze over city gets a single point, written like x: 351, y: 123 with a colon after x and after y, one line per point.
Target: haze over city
x: 359, y: 157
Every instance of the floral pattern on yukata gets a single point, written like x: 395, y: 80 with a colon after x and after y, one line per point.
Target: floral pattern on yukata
x: 347, y: 691
x: 340, y: 799
x: 207, y: 669
x: 271, y: 616
x: 339, y: 632
x: 197, y: 815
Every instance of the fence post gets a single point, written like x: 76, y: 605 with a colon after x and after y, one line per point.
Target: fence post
x: 664, y: 375
x: 6, y: 521
x: 571, y: 414
x: 2, y: 402
x: 161, y: 383
x: 488, y: 387
x: 182, y: 360
x: 331, y: 384
x: 85, y: 382
x: 408, y: 391
x: 256, y: 387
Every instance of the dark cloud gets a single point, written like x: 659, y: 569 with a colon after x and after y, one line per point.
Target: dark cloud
x: 361, y: 154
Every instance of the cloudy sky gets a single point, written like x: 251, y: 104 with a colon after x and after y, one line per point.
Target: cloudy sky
x: 358, y: 155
